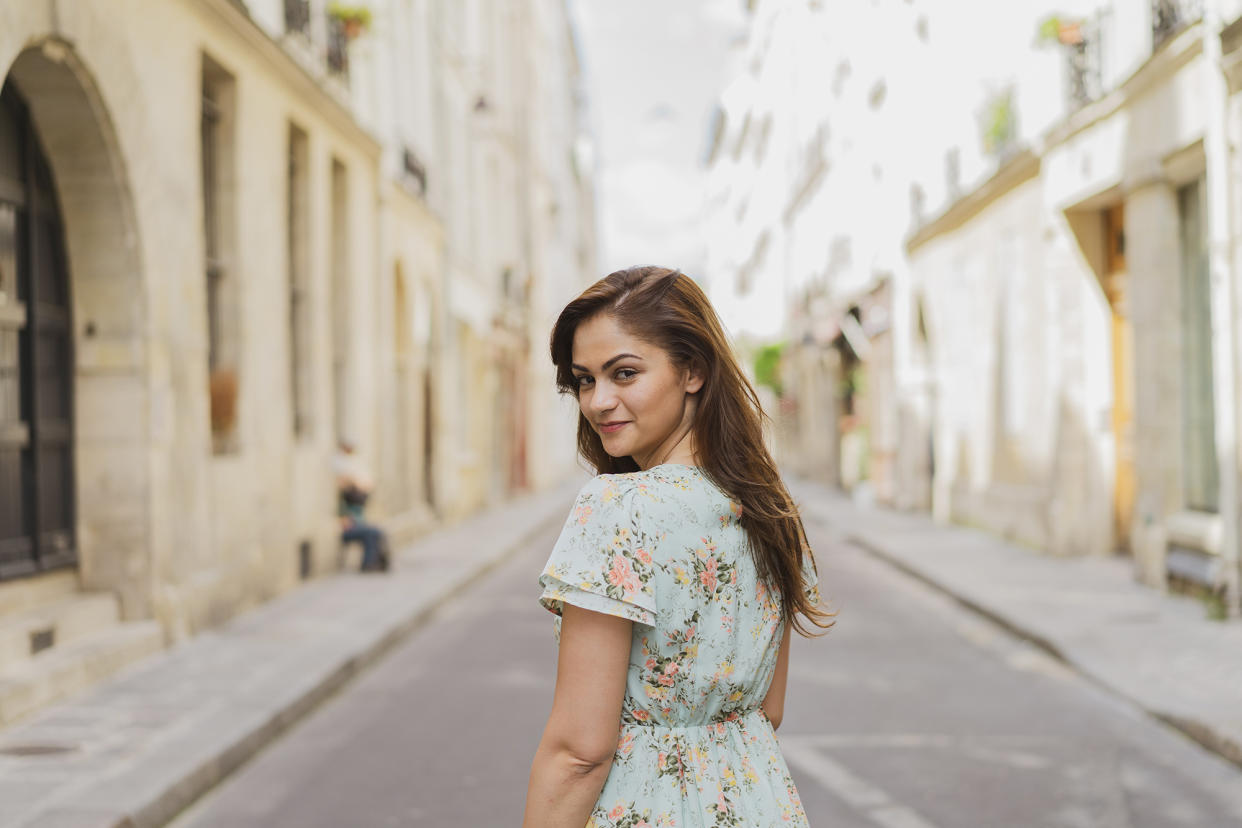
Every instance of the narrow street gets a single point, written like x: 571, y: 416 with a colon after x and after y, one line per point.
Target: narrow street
x: 911, y: 713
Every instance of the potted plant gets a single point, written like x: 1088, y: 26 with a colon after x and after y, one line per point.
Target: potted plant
x: 1057, y: 30
x: 354, y: 20
x: 998, y: 123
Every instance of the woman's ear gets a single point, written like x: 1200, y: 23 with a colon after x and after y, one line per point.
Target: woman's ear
x: 694, y: 377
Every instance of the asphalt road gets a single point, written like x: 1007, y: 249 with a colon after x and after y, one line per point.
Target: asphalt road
x: 912, y: 713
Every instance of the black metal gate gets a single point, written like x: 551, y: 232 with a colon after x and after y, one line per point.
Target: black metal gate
x: 36, y: 357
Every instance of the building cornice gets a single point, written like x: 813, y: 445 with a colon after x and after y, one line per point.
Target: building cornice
x: 235, y: 17
x: 1022, y: 167
x: 1165, y: 63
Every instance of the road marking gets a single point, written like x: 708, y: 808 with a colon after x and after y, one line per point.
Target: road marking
x: 1014, y: 757
x: 870, y: 800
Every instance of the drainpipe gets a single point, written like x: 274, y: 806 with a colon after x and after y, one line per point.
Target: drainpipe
x: 1217, y: 179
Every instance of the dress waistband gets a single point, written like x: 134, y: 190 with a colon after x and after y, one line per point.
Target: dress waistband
x: 722, y: 718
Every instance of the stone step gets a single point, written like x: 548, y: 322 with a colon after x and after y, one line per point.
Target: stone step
x: 62, y: 671
x: 54, y: 624
x: 23, y: 593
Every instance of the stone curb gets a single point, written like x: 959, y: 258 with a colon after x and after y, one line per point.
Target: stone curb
x: 189, y: 777
x: 1204, y: 734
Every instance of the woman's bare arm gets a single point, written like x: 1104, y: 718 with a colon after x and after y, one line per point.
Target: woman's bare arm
x: 774, y: 702
x: 580, y: 738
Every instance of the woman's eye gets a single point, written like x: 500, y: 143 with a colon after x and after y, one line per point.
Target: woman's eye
x: 583, y: 380
x: 626, y: 373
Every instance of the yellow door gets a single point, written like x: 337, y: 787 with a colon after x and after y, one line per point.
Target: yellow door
x: 1116, y: 282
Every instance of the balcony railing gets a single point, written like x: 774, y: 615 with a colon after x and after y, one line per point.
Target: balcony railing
x: 1084, y: 59
x: 297, y: 16
x: 338, y: 48
x: 1168, y: 17
x: 414, y: 168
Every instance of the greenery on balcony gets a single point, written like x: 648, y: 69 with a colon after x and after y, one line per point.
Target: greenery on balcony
x: 998, y: 123
x: 354, y: 20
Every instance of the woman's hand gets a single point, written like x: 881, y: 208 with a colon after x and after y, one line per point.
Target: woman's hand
x: 575, y: 754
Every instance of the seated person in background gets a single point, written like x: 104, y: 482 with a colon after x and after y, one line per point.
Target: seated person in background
x: 353, y: 486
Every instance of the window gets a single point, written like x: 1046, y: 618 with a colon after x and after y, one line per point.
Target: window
x: 223, y: 357
x: 298, y: 239
x: 339, y: 258
x: 1200, y: 475
x: 402, y: 388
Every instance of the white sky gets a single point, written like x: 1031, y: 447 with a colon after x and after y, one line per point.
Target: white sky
x: 653, y: 70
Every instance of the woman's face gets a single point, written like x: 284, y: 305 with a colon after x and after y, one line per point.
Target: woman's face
x: 632, y: 394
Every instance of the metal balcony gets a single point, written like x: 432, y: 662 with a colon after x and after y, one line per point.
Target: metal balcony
x: 338, y: 48
x: 1168, y: 17
x: 1084, y: 57
x: 297, y: 16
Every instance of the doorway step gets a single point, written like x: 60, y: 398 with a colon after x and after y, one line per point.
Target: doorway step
x: 57, y: 642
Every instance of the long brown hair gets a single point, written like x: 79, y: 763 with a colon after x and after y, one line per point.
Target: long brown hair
x: 667, y: 309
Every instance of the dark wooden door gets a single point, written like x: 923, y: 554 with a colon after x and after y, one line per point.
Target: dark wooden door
x: 37, y: 509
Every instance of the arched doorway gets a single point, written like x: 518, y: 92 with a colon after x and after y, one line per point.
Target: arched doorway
x: 92, y: 352
x: 37, y: 512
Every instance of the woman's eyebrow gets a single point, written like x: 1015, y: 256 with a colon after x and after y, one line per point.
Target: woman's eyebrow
x: 607, y: 364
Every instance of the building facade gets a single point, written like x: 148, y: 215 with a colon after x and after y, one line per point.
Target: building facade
x: 232, y: 234
x: 1045, y: 341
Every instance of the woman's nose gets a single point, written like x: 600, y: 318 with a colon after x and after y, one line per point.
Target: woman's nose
x: 603, y: 397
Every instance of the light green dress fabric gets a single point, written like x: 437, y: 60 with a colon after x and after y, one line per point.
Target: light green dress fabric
x: 665, y: 549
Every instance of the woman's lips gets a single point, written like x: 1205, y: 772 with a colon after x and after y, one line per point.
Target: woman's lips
x: 609, y: 428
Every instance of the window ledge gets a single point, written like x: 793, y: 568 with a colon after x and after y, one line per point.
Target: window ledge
x: 1200, y: 531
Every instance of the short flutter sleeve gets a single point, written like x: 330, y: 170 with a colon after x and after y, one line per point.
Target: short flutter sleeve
x: 810, y: 580
x: 601, y: 561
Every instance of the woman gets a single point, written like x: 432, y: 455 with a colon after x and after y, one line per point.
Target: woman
x: 677, y: 578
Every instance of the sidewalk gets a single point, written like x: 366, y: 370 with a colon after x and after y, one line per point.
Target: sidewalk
x: 1159, y: 651
x: 137, y: 749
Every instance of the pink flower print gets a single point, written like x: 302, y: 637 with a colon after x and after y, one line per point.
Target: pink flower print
x: 626, y: 744
x: 665, y: 680
x: 671, y: 668
x: 708, y: 576
x: 622, y: 575
x: 617, y: 811
x: 644, y: 556
x: 690, y: 631
x: 641, y: 715
x: 651, y: 663
x: 582, y: 513
x: 642, y: 823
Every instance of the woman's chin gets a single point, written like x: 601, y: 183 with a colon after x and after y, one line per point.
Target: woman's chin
x: 616, y: 448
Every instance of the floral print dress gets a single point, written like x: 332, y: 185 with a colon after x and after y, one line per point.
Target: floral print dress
x: 665, y: 548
